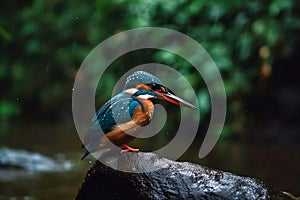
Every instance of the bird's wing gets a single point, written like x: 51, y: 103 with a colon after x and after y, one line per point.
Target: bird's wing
x: 118, y: 110
x: 107, y: 115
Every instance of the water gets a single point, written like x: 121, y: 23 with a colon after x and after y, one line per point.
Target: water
x: 55, y: 172
x: 278, y: 165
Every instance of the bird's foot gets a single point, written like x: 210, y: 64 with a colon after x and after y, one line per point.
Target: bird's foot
x: 128, y: 148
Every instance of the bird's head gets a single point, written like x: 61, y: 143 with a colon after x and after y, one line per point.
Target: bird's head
x: 147, y: 86
x: 155, y: 91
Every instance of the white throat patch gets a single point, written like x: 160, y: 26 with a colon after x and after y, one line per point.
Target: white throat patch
x: 145, y: 96
x: 131, y: 91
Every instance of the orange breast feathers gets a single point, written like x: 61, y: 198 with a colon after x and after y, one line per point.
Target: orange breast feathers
x: 143, y: 117
x: 124, y: 133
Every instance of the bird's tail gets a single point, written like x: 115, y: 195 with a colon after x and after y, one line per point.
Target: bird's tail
x: 98, y: 152
x: 86, y: 153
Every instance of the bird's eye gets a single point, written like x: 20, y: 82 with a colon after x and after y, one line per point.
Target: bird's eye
x: 157, y: 87
x: 153, y: 86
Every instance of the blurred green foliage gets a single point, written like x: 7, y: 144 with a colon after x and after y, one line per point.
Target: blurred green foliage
x: 43, y: 43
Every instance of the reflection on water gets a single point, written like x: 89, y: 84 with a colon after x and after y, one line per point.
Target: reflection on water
x: 278, y: 165
x: 32, y: 162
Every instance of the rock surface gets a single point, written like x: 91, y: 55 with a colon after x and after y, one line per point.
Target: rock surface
x: 174, y: 180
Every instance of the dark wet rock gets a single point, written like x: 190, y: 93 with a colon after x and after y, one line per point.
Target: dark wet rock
x: 30, y: 161
x: 175, y: 180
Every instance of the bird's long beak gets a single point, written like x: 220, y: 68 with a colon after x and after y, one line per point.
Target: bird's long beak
x: 176, y: 100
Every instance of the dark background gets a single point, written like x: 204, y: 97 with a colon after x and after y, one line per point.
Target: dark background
x: 255, y: 45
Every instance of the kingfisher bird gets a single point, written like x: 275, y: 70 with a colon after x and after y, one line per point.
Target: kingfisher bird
x: 122, y: 117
